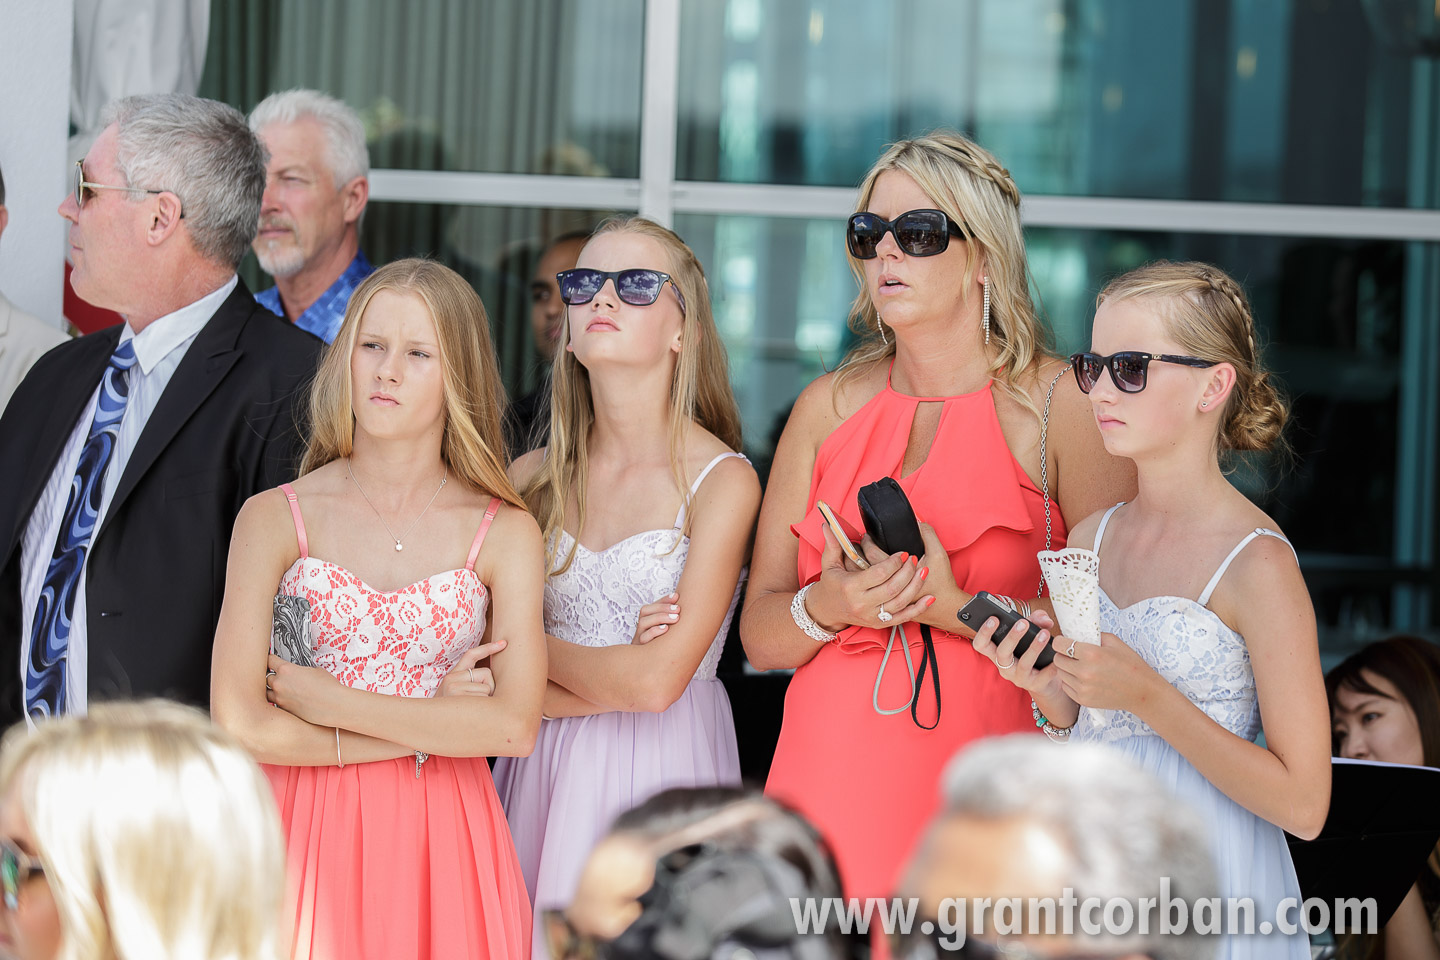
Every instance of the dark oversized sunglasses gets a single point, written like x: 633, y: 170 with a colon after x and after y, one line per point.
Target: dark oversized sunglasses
x: 83, y: 188
x: 16, y: 869
x: 637, y: 287
x: 1128, y: 368
x: 920, y: 233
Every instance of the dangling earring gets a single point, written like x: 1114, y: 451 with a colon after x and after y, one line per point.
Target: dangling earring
x: 880, y: 325
x: 985, y: 316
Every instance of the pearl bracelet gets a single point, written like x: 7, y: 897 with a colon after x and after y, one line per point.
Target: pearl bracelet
x: 801, y: 616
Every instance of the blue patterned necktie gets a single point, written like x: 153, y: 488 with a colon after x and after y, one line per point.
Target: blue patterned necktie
x: 50, y: 633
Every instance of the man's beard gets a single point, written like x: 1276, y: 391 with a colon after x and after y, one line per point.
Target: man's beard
x: 277, y: 257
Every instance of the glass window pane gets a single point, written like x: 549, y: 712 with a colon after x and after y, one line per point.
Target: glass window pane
x: 1244, y: 100
x: 496, y: 87
x: 1345, y: 322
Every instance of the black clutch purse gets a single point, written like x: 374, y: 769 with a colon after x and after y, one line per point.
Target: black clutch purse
x: 890, y: 521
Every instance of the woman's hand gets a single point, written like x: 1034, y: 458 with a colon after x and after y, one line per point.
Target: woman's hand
x: 467, y: 678
x: 656, y: 618
x: 1110, y: 676
x: 846, y: 595
x: 309, y: 693
x: 1041, y: 684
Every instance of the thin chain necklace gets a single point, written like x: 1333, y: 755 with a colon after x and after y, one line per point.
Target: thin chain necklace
x: 445, y: 475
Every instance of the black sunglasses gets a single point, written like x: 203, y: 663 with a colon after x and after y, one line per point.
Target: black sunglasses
x: 920, y: 233
x: 637, y: 287
x: 16, y: 869
x: 1128, y: 368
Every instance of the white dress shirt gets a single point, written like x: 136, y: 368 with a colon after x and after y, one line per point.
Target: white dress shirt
x: 159, y: 348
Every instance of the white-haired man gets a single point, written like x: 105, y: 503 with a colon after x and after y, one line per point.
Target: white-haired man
x: 316, y: 187
x: 1072, y: 828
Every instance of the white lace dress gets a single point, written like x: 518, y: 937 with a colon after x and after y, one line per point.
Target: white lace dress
x: 1193, y: 649
x: 585, y: 771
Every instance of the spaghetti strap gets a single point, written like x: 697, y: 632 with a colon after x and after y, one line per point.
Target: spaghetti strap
x: 695, y: 487
x: 289, y: 492
x: 480, y: 534
x: 1100, y: 530
x: 1204, y: 600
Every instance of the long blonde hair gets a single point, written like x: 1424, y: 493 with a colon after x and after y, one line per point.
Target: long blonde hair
x: 1208, y: 315
x: 699, y: 392
x: 158, y: 834
x: 966, y: 181
x: 472, y: 442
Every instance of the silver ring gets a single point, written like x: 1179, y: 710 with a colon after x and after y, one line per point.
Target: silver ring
x: 1071, y: 651
x: 1005, y: 666
x: 885, y: 616
x: 470, y: 674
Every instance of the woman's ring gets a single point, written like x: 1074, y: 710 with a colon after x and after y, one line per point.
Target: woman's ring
x: 1071, y: 651
x: 470, y: 674
x: 268, y: 675
x: 885, y: 615
x: 1005, y: 666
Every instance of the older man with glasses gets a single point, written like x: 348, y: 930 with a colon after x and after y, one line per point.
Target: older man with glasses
x: 125, y: 455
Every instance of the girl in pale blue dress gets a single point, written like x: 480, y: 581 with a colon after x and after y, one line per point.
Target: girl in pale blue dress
x: 1206, y: 623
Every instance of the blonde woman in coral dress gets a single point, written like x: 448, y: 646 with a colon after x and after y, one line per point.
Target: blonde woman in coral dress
x: 944, y: 394
x: 417, y: 560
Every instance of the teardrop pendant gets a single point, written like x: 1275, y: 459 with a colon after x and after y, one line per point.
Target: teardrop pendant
x: 398, y: 546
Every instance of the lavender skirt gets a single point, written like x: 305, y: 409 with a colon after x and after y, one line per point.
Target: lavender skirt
x: 585, y: 771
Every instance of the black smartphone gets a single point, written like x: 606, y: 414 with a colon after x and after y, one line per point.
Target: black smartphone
x: 983, y: 606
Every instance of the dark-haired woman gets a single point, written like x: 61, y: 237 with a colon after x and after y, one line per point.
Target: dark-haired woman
x: 1385, y: 706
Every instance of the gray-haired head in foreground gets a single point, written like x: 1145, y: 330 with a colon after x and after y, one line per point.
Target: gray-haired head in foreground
x: 1123, y: 828
x: 347, y: 155
x: 203, y: 152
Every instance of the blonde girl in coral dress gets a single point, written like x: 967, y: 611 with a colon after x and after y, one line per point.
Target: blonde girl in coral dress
x: 416, y: 559
x: 945, y: 394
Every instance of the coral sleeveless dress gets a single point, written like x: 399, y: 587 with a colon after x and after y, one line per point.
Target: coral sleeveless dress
x: 869, y: 781
x: 384, y: 862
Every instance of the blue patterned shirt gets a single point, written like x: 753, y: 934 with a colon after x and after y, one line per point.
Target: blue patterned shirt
x: 325, y: 314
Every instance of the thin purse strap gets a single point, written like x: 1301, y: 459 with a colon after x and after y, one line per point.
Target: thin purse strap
x: 1045, y: 468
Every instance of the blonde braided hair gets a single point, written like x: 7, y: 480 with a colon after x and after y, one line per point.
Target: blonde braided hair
x: 1208, y: 315
x: 975, y: 190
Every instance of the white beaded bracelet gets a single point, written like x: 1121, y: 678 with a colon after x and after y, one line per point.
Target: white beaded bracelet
x: 801, y: 616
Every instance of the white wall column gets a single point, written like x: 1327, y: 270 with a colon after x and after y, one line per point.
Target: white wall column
x: 35, y: 45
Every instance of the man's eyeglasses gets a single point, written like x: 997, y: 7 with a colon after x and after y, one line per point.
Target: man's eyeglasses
x: 1128, y: 369
x: 82, y: 186
x: 16, y: 869
x: 637, y: 287
x: 938, y: 945
x: 920, y: 233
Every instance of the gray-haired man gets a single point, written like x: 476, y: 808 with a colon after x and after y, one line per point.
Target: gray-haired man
x: 125, y: 455
x: 1074, y: 828
x: 316, y: 186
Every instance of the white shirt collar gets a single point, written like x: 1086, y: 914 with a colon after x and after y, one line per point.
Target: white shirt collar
x: 175, y: 329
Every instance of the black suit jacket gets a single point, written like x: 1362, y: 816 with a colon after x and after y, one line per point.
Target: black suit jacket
x: 227, y: 426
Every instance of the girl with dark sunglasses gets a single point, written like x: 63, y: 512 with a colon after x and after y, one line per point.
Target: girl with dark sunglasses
x: 1206, y: 621
x: 647, y: 510
x: 947, y: 392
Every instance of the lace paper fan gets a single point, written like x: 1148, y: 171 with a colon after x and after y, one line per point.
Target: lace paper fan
x: 1073, y: 576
